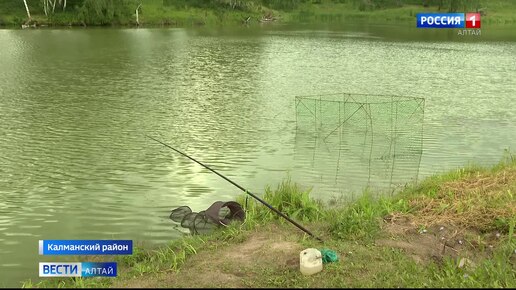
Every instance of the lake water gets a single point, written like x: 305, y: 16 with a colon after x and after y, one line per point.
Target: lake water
x: 75, y: 105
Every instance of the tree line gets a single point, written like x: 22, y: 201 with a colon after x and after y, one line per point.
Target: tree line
x: 109, y: 11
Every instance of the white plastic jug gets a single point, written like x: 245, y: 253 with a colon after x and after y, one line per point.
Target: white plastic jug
x: 310, y: 261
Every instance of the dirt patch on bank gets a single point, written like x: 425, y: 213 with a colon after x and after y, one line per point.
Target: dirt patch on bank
x: 228, y: 266
x: 435, y: 243
x: 459, y: 221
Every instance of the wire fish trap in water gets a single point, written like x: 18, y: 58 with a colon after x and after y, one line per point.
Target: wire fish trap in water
x: 374, y: 141
x: 218, y: 214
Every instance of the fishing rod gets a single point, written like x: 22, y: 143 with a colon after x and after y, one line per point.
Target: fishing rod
x: 241, y: 188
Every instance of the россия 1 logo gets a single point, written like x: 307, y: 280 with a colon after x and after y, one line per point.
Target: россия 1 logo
x: 449, y: 20
x: 473, y: 20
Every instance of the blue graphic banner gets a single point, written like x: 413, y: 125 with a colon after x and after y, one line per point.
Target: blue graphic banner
x: 84, y: 269
x: 440, y: 20
x: 85, y: 247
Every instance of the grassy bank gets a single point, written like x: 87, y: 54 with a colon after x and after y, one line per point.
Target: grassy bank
x: 451, y: 230
x: 181, y: 13
x: 496, y: 12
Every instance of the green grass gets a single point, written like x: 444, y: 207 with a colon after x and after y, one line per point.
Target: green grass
x: 360, y: 220
x: 287, y: 198
x: 352, y: 230
x: 498, y: 12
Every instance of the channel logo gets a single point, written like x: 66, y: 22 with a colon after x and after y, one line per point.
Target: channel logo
x: 473, y: 20
x: 84, y: 269
x: 449, y: 20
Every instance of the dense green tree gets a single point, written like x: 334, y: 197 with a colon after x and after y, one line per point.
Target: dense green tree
x: 106, y: 11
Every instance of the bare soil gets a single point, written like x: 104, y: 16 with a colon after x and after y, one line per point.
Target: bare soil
x: 435, y: 243
x: 228, y: 266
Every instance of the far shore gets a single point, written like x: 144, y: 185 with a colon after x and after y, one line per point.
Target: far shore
x: 336, y: 14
